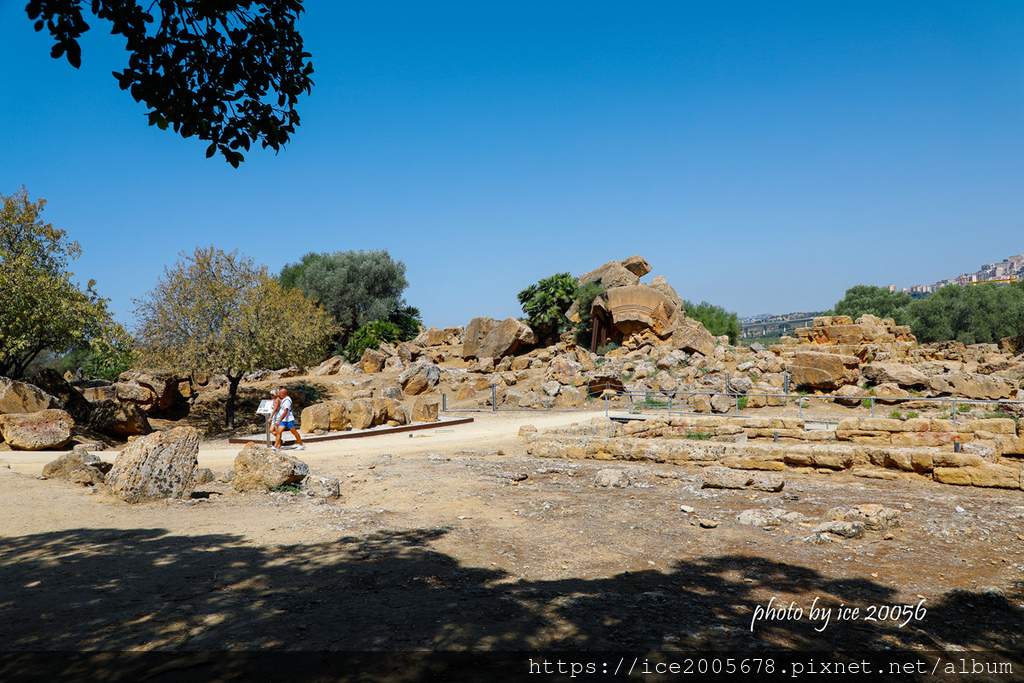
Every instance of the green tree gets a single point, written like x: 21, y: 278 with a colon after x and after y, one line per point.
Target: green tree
x: 357, y: 287
x: 105, y: 356
x: 40, y: 307
x: 546, y: 302
x: 716, y: 319
x: 878, y: 301
x: 227, y: 71
x: 219, y: 312
x: 976, y: 314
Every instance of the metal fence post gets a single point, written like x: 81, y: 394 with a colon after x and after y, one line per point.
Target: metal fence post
x: 444, y: 403
x: 872, y: 406
x: 494, y: 398
x: 737, y: 397
x: 785, y: 389
x: 954, y: 412
x: 606, y: 404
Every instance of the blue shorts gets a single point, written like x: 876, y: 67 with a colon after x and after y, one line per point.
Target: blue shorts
x: 288, y: 424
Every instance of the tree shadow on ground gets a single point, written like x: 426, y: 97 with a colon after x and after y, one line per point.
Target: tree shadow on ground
x: 144, y: 589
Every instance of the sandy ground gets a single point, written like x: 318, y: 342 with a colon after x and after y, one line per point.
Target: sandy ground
x: 455, y: 539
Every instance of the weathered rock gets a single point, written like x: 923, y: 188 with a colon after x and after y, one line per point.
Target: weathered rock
x: 40, y: 431
x: 611, y: 274
x: 419, y: 378
x: 984, y: 474
x: 425, y: 410
x: 258, y: 468
x: 823, y: 370
x: 75, y: 404
x: 843, y: 529
x: 637, y: 265
x: 151, y: 391
x: 692, y: 337
x: 906, y: 376
x: 563, y: 370
x: 772, y: 517
x: 21, y: 397
x: 322, y: 486
x: 316, y: 417
x: 722, y: 403
x: 873, y: 516
x: 612, y: 478
x: 849, y: 395
x: 972, y: 385
x: 890, y: 393
x: 160, y: 465
x: 361, y: 413
x: 392, y: 393
x: 119, y: 419
x: 80, y: 466
x: 372, y: 361
x: 498, y: 339
x: 552, y: 388
x: 726, y: 478
x: 204, y: 475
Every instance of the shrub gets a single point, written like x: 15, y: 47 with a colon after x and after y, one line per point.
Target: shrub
x: 371, y: 335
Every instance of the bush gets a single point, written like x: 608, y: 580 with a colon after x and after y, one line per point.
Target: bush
x: 371, y: 335
x: 716, y: 319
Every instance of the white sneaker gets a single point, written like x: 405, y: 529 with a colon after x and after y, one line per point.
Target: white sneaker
x: 300, y: 447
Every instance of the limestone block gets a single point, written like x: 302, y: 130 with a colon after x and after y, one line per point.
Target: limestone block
x: 40, y: 431
x: 156, y: 466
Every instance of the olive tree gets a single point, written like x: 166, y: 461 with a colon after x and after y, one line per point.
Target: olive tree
x: 220, y: 312
x: 41, y: 308
x: 357, y: 287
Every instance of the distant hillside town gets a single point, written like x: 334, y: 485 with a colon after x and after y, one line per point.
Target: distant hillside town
x: 1007, y: 270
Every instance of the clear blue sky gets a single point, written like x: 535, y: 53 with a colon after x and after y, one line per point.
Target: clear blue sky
x: 762, y: 156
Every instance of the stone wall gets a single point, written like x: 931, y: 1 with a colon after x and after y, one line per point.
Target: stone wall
x: 892, y: 452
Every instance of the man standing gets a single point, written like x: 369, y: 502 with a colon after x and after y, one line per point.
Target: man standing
x: 286, y: 420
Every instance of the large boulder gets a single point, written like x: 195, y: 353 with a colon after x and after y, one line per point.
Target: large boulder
x: 823, y: 370
x: 490, y: 338
x: 972, y: 385
x: 419, y: 378
x: 316, y: 417
x: 636, y: 264
x: 119, y: 419
x: 425, y: 410
x: 152, y: 391
x: 361, y: 413
x: 40, y: 431
x: 372, y: 361
x: 611, y: 274
x: 662, y: 285
x: 258, y: 468
x: 691, y: 336
x: 53, y: 383
x: 906, y: 376
x: 21, y: 397
x: 160, y: 465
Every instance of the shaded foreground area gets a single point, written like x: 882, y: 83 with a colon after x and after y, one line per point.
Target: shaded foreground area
x: 144, y: 589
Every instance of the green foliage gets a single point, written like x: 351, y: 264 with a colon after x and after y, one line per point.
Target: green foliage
x: 610, y: 346
x: 357, y: 287
x: 227, y: 72
x: 878, y: 301
x: 219, y: 312
x: 896, y: 415
x: 982, y: 313
x: 408, y: 320
x: 585, y: 296
x: 866, y: 402
x: 546, y: 302
x: 716, y: 319
x: 105, y: 357
x: 912, y: 415
x: 41, y: 309
x: 741, y: 402
x: 287, y: 488
x: 371, y: 335
x: 963, y: 408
